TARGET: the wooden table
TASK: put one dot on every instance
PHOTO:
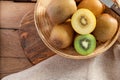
(12, 58)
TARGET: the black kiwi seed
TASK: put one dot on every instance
(83, 20)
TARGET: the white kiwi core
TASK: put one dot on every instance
(85, 44)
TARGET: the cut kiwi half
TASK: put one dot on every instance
(85, 44)
(83, 21)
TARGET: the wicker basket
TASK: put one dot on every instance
(44, 27)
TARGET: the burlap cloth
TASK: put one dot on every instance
(103, 67)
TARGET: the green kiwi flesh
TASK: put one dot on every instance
(85, 44)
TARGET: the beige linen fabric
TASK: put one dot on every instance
(103, 67)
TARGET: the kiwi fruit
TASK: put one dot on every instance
(85, 44)
(106, 27)
(83, 21)
(60, 10)
(62, 35)
(93, 5)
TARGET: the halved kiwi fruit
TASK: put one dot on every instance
(83, 21)
(85, 44)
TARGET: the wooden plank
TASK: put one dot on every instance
(34, 48)
(12, 57)
(12, 13)
(10, 44)
(2, 75)
(11, 65)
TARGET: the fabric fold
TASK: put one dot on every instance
(105, 66)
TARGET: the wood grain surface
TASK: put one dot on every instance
(11, 13)
(12, 57)
(34, 48)
(20, 45)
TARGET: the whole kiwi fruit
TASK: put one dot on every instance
(60, 10)
(61, 35)
(106, 27)
(94, 5)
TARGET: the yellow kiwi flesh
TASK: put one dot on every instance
(83, 21)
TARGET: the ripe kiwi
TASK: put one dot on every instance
(93, 5)
(85, 44)
(83, 21)
(62, 35)
(105, 28)
(60, 10)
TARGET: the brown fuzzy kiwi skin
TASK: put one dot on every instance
(60, 10)
(62, 35)
(106, 27)
(93, 5)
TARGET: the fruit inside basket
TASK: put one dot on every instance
(76, 29)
